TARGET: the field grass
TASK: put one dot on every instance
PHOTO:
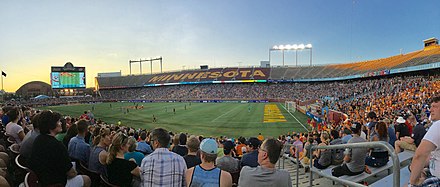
(208, 119)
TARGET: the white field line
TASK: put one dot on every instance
(225, 113)
(295, 118)
(250, 122)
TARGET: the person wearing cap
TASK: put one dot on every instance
(401, 129)
(411, 142)
(162, 167)
(428, 152)
(227, 162)
(266, 174)
(354, 159)
(251, 158)
(206, 173)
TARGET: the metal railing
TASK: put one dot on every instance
(287, 147)
(376, 144)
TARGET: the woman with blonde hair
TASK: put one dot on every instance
(98, 152)
(120, 172)
(132, 153)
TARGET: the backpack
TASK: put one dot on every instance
(337, 154)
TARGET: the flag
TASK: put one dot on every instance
(3, 74)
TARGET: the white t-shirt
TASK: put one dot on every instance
(433, 137)
(12, 129)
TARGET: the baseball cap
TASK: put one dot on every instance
(209, 146)
(356, 127)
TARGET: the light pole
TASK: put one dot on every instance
(295, 47)
(147, 60)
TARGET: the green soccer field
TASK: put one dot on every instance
(208, 119)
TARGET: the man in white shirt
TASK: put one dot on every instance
(429, 147)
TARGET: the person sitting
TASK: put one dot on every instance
(98, 153)
(143, 146)
(28, 141)
(323, 157)
(12, 128)
(402, 129)
(266, 173)
(354, 159)
(207, 174)
(181, 149)
(78, 148)
(162, 167)
(378, 156)
(411, 142)
(191, 159)
(297, 149)
(120, 172)
(251, 158)
(227, 162)
(49, 158)
(132, 153)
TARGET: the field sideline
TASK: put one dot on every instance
(208, 119)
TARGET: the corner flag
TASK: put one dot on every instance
(3, 74)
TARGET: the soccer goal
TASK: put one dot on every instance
(290, 106)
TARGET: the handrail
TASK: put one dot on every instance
(375, 144)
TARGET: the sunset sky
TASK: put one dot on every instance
(104, 35)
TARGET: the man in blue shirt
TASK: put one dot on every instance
(78, 148)
(251, 158)
(142, 146)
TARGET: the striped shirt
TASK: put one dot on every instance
(163, 168)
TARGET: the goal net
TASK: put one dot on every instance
(290, 106)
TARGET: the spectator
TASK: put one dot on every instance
(428, 147)
(323, 157)
(337, 154)
(251, 158)
(78, 148)
(98, 153)
(297, 149)
(132, 153)
(49, 159)
(391, 132)
(120, 171)
(378, 156)
(266, 174)
(191, 159)
(346, 135)
(354, 160)
(306, 156)
(71, 132)
(60, 136)
(411, 142)
(227, 162)
(207, 174)
(181, 149)
(143, 146)
(401, 129)
(372, 121)
(12, 128)
(162, 167)
(241, 145)
(28, 141)
(260, 137)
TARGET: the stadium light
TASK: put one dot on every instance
(294, 47)
(147, 60)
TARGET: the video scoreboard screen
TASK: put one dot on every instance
(68, 77)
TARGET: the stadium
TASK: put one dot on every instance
(234, 102)
(245, 93)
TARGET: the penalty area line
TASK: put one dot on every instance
(295, 118)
